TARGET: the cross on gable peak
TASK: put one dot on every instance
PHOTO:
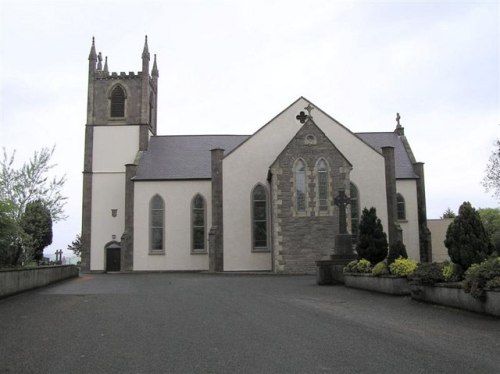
(302, 116)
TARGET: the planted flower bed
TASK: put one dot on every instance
(382, 278)
(453, 295)
(478, 292)
(388, 284)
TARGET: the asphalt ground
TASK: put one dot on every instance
(204, 323)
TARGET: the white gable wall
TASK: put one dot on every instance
(177, 196)
(249, 165)
(368, 173)
(408, 189)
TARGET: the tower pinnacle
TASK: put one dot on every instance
(155, 72)
(93, 54)
(145, 52)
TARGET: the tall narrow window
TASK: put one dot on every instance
(156, 222)
(198, 224)
(354, 212)
(259, 217)
(322, 171)
(400, 201)
(118, 102)
(300, 185)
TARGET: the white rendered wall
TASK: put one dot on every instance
(249, 165)
(114, 147)
(108, 192)
(177, 196)
(408, 189)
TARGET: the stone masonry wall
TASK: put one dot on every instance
(301, 238)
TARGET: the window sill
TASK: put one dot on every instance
(156, 253)
(199, 252)
(261, 250)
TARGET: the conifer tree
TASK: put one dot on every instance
(36, 221)
(466, 238)
(372, 240)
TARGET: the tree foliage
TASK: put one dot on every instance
(32, 182)
(76, 245)
(36, 222)
(491, 222)
(448, 213)
(372, 240)
(466, 238)
(396, 251)
(491, 181)
(8, 233)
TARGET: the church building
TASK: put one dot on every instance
(271, 201)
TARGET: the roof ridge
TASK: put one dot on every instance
(193, 135)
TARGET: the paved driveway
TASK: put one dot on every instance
(202, 323)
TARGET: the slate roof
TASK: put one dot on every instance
(181, 157)
(404, 167)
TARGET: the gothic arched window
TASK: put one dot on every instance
(322, 174)
(259, 218)
(198, 225)
(300, 186)
(156, 224)
(400, 202)
(117, 102)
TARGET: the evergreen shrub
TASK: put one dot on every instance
(428, 273)
(372, 240)
(403, 267)
(482, 277)
(358, 266)
(380, 269)
(466, 238)
(452, 272)
(396, 250)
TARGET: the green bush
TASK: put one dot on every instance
(452, 272)
(372, 240)
(380, 269)
(396, 250)
(350, 267)
(403, 267)
(358, 266)
(482, 277)
(428, 273)
(493, 283)
(466, 238)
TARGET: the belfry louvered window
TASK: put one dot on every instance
(118, 102)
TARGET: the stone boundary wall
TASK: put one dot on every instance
(13, 281)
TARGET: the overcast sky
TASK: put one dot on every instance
(228, 67)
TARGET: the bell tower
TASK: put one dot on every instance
(121, 117)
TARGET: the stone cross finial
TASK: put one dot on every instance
(342, 200)
(309, 108)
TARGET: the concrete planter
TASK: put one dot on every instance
(388, 284)
(454, 296)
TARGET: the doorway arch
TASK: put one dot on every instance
(113, 256)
